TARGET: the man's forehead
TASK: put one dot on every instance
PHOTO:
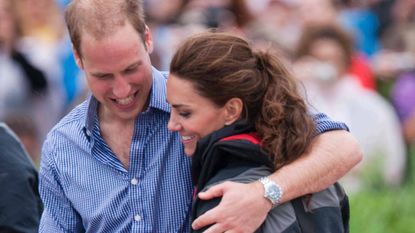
(94, 35)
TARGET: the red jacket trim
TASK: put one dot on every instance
(252, 137)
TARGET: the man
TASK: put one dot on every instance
(111, 165)
(20, 204)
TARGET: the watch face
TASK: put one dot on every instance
(274, 192)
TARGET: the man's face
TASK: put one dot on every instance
(118, 72)
(7, 25)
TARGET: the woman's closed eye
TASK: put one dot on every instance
(185, 114)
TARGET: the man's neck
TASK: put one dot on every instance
(118, 134)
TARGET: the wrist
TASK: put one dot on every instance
(272, 192)
(262, 201)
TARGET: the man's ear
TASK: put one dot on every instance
(148, 40)
(233, 110)
(78, 59)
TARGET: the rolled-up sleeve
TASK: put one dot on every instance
(325, 124)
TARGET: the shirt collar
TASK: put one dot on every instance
(158, 91)
(157, 101)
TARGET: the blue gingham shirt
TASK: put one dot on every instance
(85, 188)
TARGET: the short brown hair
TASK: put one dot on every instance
(102, 17)
(334, 32)
(222, 66)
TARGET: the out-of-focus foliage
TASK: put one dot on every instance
(386, 210)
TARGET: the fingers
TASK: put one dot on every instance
(215, 191)
(205, 219)
(217, 228)
(222, 217)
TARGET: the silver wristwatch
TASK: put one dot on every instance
(272, 191)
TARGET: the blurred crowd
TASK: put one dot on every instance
(356, 59)
(38, 76)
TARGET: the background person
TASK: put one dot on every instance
(323, 58)
(20, 204)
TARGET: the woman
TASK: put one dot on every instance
(241, 118)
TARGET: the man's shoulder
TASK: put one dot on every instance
(160, 73)
(66, 139)
(158, 94)
(72, 121)
(6, 132)
(163, 73)
(12, 153)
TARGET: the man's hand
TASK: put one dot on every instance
(243, 208)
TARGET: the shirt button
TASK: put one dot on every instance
(137, 218)
(134, 181)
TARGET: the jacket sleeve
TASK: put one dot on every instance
(20, 205)
(237, 161)
(326, 211)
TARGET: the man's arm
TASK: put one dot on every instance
(333, 154)
(243, 207)
(58, 214)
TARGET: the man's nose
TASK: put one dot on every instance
(122, 87)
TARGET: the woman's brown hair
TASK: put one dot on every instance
(222, 66)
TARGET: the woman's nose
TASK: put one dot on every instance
(173, 125)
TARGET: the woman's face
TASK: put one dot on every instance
(192, 115)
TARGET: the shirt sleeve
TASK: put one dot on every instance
(325, 124)
(59, 214)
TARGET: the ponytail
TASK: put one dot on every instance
(283, 123)
(223, 66)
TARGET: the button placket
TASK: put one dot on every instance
(134, 181)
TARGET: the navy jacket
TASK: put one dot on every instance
(20, 204)
(233, 153)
